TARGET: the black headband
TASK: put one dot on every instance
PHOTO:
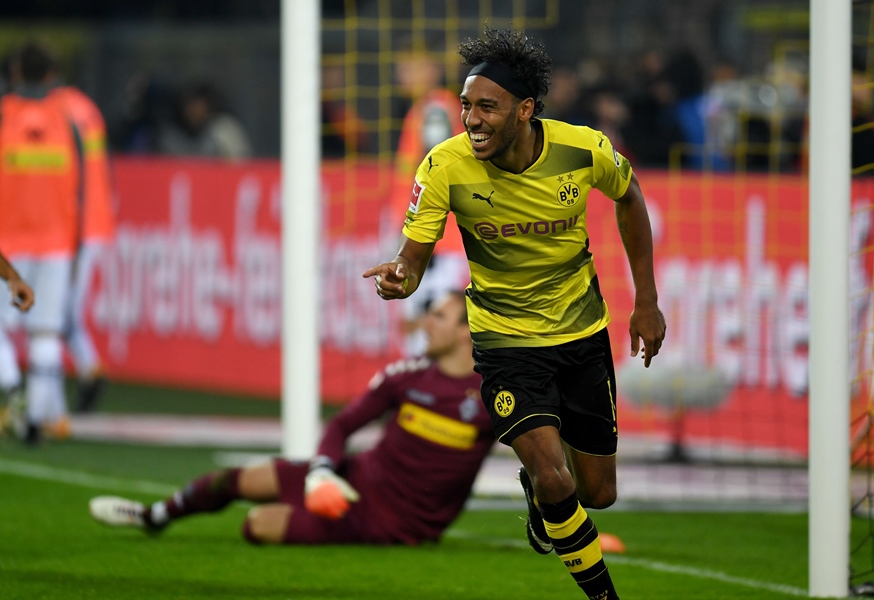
(504, 77)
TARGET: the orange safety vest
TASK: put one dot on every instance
(414, 145)
(98, 213)
(39, 178)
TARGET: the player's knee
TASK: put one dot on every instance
(266, 524)
(604, 497)
(45, 353)
(552, 485)
(248, 533)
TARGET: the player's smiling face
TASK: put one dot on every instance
(488, 112)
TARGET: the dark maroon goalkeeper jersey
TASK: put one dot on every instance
(437, 434)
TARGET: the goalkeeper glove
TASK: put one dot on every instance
(326, 494)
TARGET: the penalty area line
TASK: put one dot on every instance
(651, 565)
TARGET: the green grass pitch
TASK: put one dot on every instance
(50, 548)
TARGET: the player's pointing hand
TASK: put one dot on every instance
(390, 278)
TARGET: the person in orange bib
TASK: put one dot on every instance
(97, 234)
(40, 194)
(435, 116)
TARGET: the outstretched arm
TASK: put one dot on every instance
(326, 493)
(647, 322)
(22, 294)
(400, 277)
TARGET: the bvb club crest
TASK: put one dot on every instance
(505, 402)
(568, 193)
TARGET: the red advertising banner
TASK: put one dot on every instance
(190, 295)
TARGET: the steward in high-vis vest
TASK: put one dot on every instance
(97, 232)
(434, 117)
(41, 179)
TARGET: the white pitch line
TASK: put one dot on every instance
(651, 565)
(81, 478)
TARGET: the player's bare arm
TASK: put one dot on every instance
(21, 292)
(647, 322)
(400, 277)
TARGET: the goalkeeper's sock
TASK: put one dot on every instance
(209, 493)
(575, 538)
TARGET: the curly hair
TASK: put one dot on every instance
(513, 48)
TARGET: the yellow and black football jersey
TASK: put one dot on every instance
(524, 234)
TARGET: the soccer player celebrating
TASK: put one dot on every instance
(518, 188)
(407, 489)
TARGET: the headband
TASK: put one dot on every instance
(504, 77)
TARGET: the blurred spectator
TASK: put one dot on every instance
(40, 187)
(147, 108)
(668, 114)
(204, 128)
(434, 116)
(343, 131)
(863, 117)
(759, 121)
(5, 85)
(651, 132)
(609, 114)
(682, 84)
(565, 102)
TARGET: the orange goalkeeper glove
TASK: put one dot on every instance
(326, 494)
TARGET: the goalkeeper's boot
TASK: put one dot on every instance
(538, 539)
(121, 512)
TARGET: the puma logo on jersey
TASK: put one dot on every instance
(600, 141)
(483, 198)
(431, 165)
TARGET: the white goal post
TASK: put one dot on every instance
(301, 209)
(829, 454)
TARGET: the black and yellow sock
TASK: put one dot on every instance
(576, 542)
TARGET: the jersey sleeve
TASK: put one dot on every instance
(429, 204)
(376, 401)
(612, 170)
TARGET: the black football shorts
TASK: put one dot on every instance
(570, 386)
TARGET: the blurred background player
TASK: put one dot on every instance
(40, 197)
(435, 116)
(97, 232)
(407, 489)
(20, 297)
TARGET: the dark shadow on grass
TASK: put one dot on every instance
(121, 587)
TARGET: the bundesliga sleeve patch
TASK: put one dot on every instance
(418, 188)
(622, 164)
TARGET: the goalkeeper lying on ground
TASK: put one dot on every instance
(407, 489)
